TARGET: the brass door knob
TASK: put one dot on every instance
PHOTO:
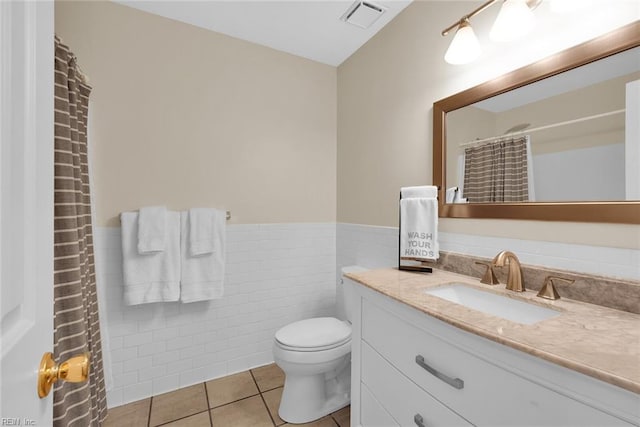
(74, 370)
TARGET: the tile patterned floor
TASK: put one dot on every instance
(247, 399)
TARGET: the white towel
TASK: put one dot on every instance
(423, 191)
(152, 224)
(152, 277)
(202, 277)
(419, 223)
(205, 228)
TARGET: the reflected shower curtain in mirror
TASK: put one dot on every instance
(76, 322)
(497, 171)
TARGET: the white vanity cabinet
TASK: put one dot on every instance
(410, 369)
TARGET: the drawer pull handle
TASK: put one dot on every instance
(417, 418)
(453, 382)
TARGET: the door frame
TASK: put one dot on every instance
(26, 205)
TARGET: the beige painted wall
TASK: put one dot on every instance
(185, 117)
(385, 95)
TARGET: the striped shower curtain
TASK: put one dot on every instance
(497, 171)
(76, 323)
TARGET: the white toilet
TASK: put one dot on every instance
(315, 355)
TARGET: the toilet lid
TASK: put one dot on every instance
(320, 332)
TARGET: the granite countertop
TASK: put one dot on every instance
(597, 341)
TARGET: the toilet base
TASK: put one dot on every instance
(303, 398)
(306, 398)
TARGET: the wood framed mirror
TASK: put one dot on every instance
(608, 211)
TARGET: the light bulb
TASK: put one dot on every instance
(464, 47)
(514, 20)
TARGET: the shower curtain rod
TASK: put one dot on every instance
(568, 122)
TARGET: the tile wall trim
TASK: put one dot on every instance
(377, 246)
(275, 274)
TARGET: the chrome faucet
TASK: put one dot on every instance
(514, 279)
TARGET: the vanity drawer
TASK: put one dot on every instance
(479, 391)
(372, 414)
(404, 400)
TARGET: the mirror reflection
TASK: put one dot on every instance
(571, 137)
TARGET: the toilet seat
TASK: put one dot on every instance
(317, 334)
(310, 349)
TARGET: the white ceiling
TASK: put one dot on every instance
(308, 28)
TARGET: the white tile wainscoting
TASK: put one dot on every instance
(275, 274)
(377, 247)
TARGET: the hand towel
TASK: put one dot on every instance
(152, 277)
(202, 276)
(152, 229)
(205, 226)
(459, 199)
(419, 223)
(422, 191)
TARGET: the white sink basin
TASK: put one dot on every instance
(496, 305)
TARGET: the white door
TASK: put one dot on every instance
(26, 207)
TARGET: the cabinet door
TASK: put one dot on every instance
(372, 413)
(405, 401)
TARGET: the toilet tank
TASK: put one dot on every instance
(344, 293)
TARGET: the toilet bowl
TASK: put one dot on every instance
(315, 355)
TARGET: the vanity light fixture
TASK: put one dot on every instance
(568, 6)
(464, 47)
(514, 20)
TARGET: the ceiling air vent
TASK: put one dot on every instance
(363, 14)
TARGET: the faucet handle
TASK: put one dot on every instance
(489, 277)
(548, 291)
